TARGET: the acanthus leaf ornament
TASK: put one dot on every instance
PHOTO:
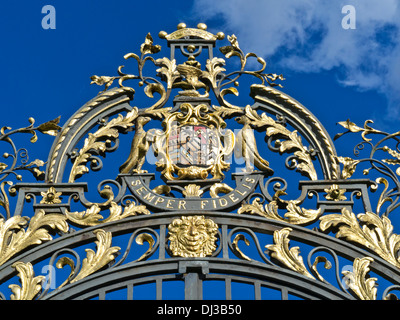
(95, 142)
(92, 216)
(289, 257)
(372, 232)
(94, 261)
(14, 238)
(294, 214)
(358, 281)
(293, 142)
(30, 285)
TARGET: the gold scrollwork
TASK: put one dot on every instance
(290, 258)
(294, 215)
(192, 236)
(97, 142)
(91, 216)
(358, 281)
(293, 142)
(145, 237)
(14, 238)
(376, 233)
(30, 285)
(235, 245)
(96, 260)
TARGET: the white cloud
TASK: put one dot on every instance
(311, 35)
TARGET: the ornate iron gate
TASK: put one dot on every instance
(191, 202)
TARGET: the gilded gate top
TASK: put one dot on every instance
(195, 143)
(221, 172)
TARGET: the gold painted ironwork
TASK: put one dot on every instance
(96, 142)
(140, 239)
(217, 188)
(140, 146)
(91, 216)
(192, 236)
(183, 32)
(14, 238)
(51, 196)
(246, 147)
(71, 129)
(294, 215)
(289, 257)
(192, 191)
(235, 245)
(97, 260)
(358, 281)
(335, 193)
(30, 285)
(196, 235)
(193, 117)
(371, 231)
(293, 142)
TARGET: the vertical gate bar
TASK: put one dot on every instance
(224, 242)
(129, 288)
(285, 295)
(193, 286)
(257, 290)
(228, 292)
(161, 247)
(102, 295)
(159, 289)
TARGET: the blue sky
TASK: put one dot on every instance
(336, 73)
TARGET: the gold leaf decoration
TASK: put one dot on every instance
(30, 285)
(349, 166)
(352, 127)
(94, 261)
(94, 142)
(327, 265)
(290, 258)
(51, 196)
(91, 216)
(145, 237)
(192, 236)
(335, 193)
(395, 161)
(375, 233)
(3, 166)
(240, 237)
(294, 214)
(168, 70)
(293, 142)
(357, 280)
(147, 47)
(50, 127)
(192, 191)
(13, 238)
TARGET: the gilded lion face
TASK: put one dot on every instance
(192, 236)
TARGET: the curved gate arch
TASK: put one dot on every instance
(201, 194)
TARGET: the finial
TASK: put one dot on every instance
(183, 31)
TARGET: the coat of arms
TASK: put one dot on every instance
(193, 145)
